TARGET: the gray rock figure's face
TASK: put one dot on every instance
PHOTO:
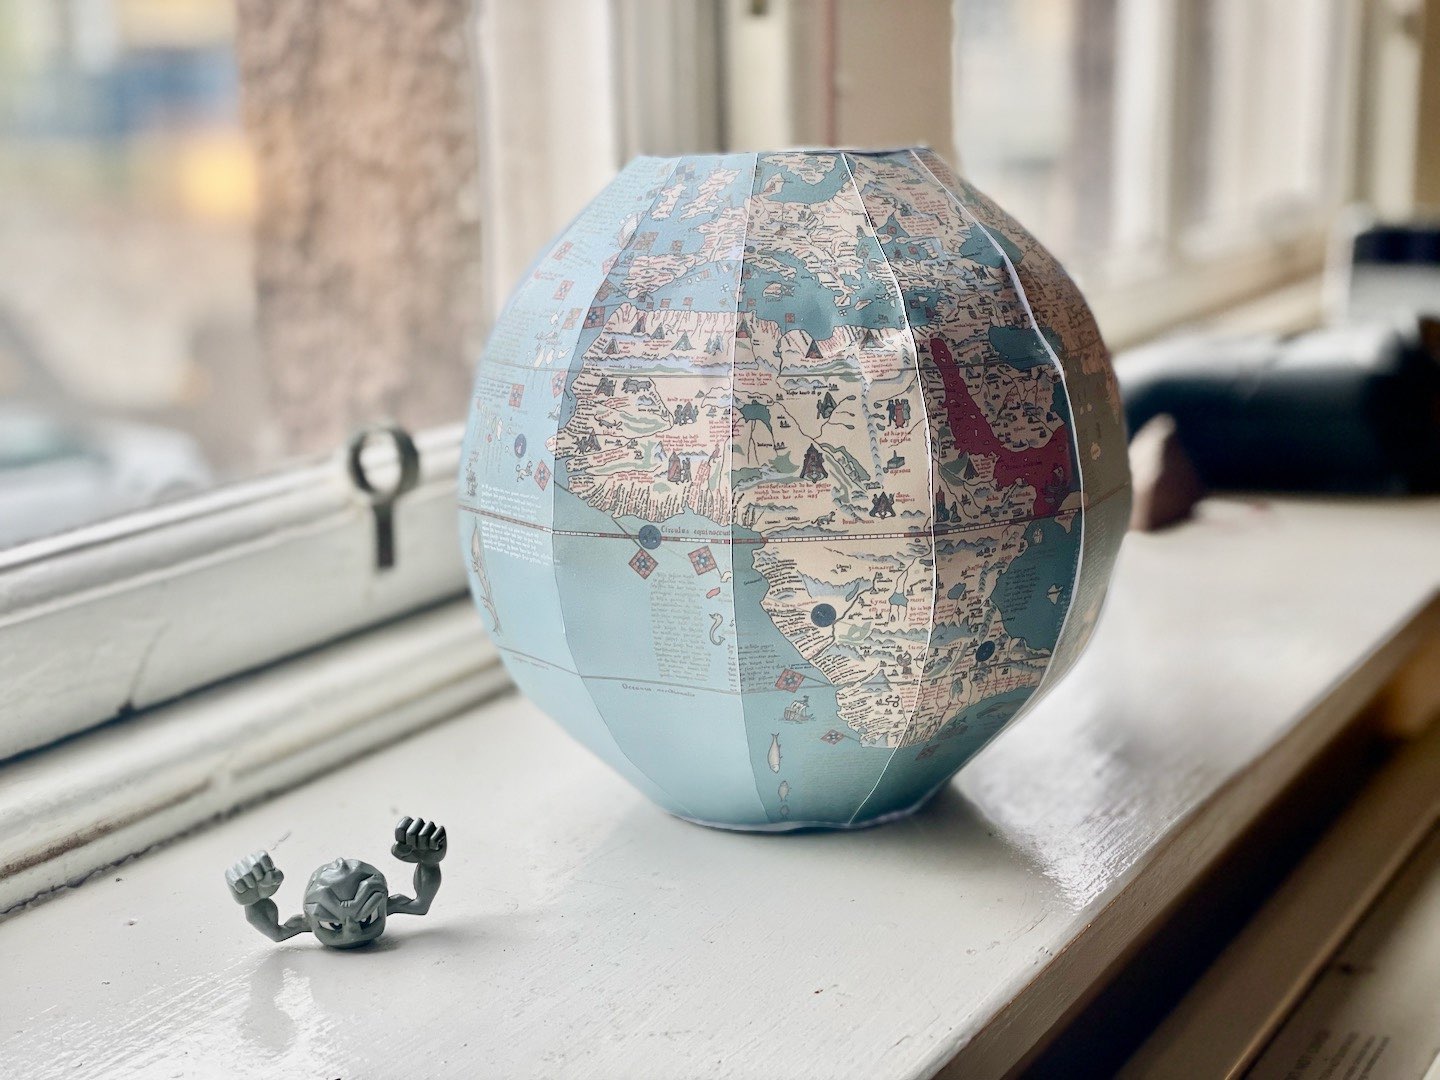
(346, 902)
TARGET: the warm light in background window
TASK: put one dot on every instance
(215, 177)
(175, 23)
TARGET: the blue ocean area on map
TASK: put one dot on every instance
(794, 301)
(1022, 592)
(828, 780)
(1021, 347)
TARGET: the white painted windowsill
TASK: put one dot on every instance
(73, 808)
(582, 932)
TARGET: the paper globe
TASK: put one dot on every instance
(790, 479)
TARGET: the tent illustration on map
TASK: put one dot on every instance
(791, 479)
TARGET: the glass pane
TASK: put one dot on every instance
(1034, 113)
(1124, 129)
(1258, 137)
(228, 240)
(126, 302)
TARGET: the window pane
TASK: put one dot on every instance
(126, 196)
(1264, 106)
(1035, 113)
(1130, 130)
(233, 233)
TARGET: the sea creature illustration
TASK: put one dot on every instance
(716, 621)
(774, 756)
(783, 790)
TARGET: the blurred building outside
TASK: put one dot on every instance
(126, 200)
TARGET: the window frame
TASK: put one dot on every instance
(119, 616)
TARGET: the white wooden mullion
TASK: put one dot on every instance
(1347, 51)
(548, 125)
(668, 77)
(1144, 126)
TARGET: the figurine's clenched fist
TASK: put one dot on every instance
(419, 841)
(254, 878)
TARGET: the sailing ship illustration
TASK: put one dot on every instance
(798, 711)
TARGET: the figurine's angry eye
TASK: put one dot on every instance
(333, 927)
(367, 922)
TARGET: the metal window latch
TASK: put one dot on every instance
(382, 501)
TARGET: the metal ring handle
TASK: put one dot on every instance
(405, 450)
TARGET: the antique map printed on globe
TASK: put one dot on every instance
(790, 478)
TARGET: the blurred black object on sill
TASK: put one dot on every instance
(1350, 408)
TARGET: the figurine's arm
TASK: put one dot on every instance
(423, 843)
(265, 917)
(253, 880)
(427, 884)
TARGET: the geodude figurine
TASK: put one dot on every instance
(347, 901)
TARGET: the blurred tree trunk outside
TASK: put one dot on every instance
(362, 117)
